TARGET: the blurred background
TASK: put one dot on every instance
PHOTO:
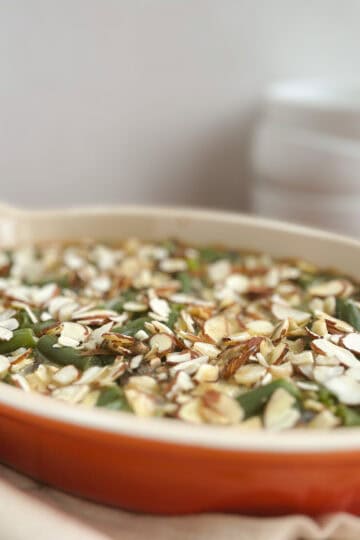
(153, 101)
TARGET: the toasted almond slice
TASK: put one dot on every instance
(305, 385)
(322, 360)
(334, 323)
(190, 411)
(319, 328)
(72, 334)
(249, 374)
(219, 270)
(334, 287)
(282, 371)
(325, 373)
(260, 328)
(102, 314)
(136, 361)
(207, 373)
(345, 388)
(216, 328)
(191, 366)
(160, 327)
(354, 373)
(237, 283)
(324, 420)
(218, 408)
(91, 375)
(173, 265)
(206, 349)
(176, 358)
(325, 347)
(5, 334)
(300, 359)
(280, 412)
(352, 342)
(161, 343)
(66, 375)
(73, 393)
(253, 423)
(135, 306)
(279, 353)
(160, 307)
(280, 331)
(282, 312)
(143, 383)
(141, 403)
(330, 305)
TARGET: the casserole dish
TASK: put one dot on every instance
(162, 466)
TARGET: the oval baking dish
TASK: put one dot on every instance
(162, 466)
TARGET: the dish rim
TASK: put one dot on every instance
(231, 438)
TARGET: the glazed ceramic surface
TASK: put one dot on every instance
(165, 466)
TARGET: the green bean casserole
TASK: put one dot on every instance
(204, 335)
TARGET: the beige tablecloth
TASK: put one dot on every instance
(31, 511)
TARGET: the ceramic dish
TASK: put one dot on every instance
(162, 466)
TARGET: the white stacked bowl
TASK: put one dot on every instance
(306, 155)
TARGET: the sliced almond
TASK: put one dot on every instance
(237, 283)
(207, 373)
(160, 307)
(216, 328)
(319, 328)
(282, 371)
(191, 366)
(190, 412)
(324, 420)
(325, 347)
(176, 358)
(300, 359)
(279, 412)
(279, 353)
(218, 408)
(260, 328)
(352, 342)
(141, 403)
(280, 330)
(282, 312)
(72, 334)
(249, 374)
(334, 287)
(322, 374)
(345, 388)
(161, 343)
(219, 270)
(206, 349)
(66, 375)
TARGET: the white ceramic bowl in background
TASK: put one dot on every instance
(306, 155)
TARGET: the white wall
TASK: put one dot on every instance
(134, 100)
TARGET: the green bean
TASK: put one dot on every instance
(23, 337)
(24, 319)
(185, 281)
(113, 398)
(350, 417)
(132, 327)
(253, 401)
(193, 265)
(174, 315)
(64, 355)
(347, 311)
(117, 304)
(40, 328)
